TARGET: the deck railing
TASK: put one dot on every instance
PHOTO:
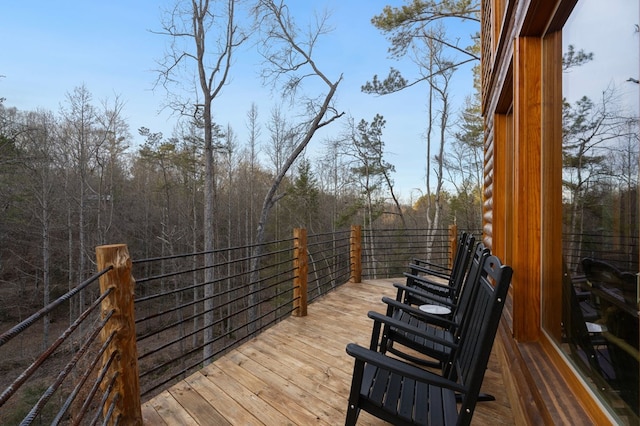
(122, 348)
(96, 370)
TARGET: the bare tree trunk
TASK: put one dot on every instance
(444, 121)
(194, 244)
(195, 23)
(439, 74)
(272, 197)
(429, 241)
(280, 31)
(369, 239)
(70, 262)
(46, 258)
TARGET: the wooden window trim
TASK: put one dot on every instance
(551, 176)
(527, 196)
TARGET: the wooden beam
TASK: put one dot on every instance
(551, 180)
(301, 270)
(527, 188)
(356, 253)
(453, 243)
(119, 282)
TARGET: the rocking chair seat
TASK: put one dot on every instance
(390, 389)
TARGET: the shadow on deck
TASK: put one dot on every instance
(297, 372)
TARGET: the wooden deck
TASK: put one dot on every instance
(297, 372)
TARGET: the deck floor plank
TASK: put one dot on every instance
(171, 411)
(311, 377)
(198, 407)
(297, 372)
(251, 402)
(277, 393)
(222, 402)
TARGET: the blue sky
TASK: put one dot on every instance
(50, 47)
(616, 51)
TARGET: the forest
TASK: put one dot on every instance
(73, 179)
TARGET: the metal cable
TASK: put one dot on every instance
(346, 232)
(334, 243)
(112, 407)
(176, 256)
(223, 349)
(83, 379)
(96, 384)
(19, 328)
(24, 376)
(219, 321)
(190, 287)
(142, 337)
(35, 410)
(105, 395)
(196, 331)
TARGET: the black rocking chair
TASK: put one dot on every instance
(404, 394)
(432, 335)
(442, 293)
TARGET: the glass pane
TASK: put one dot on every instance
(600, 199)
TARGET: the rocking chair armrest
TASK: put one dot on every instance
(392, 322)
(402, 368)
(421, 293)
(436, 320)
(423, 282)
(425, 264)
(428, 269)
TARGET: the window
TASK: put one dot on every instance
(600, 138)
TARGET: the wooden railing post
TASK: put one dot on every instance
(119, 281)
(453, 243)
(356, 253)
(301, 268)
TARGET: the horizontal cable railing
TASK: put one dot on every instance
(386, 252)
(52, 372)
(173, 323)
(328, 262)
(180, 315)
(184, 313)
(621, 251)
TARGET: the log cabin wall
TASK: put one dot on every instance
(522, 210)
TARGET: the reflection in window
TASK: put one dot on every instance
(600, 199)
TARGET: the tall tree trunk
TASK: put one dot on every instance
(209, 239)
(272, 197)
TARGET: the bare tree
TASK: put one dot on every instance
(253, 127)
(590, 129)
(39, 145)
(437, 70)
(288, 55)
(114, 135)
(79, 126)
(438, 86)
(191, 26)
(281, 141)
(418, 30)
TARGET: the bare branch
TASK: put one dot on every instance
(290, 57)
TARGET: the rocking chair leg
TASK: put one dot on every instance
(356, 382)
